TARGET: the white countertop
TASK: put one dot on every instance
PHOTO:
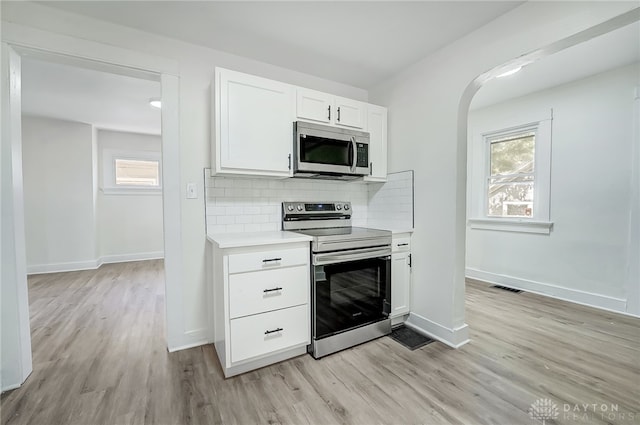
(400, 230)
(238, 240)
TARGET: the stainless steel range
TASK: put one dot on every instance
(350, 275)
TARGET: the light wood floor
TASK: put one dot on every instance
(100, 357)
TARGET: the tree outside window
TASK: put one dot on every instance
(510, 182)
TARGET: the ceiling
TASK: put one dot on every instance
(609, 51)
(121, 103)
(106, 100)
(359, 43)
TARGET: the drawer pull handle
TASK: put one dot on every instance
(271, 260)
(272, 290)
(403, 244)
(273, 331)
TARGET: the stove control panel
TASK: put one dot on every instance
(317, 209)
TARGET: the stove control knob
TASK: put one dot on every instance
(338, 207)
(300, 207)
(290, 207)
(346, 207)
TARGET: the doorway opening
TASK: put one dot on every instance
(17, 349)
(551, 160)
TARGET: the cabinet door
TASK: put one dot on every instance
(400, 283)
(377, 127)
(350, 113)
(254, 130)
(312, 105)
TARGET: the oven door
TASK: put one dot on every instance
(350, 289)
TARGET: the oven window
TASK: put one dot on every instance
(348, 295)
(320, 150)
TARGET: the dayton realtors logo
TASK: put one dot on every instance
(544, 409)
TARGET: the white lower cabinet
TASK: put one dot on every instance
(266, 333)
(259, 292)
(400, 274)
(261, 304)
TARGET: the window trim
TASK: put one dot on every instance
(109, 186)
(539, 222)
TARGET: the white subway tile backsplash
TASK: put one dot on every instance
(251, 210)
(254, 204)
(252, 228)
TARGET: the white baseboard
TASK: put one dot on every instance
(93, 264)
(63, 267)
(138, 256)
(193, 338)
(455, 338)
(603, 302)
(10, 387)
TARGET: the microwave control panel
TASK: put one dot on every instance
(363, 155)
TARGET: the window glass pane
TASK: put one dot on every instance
(510, 199)
(133, 172)
(513, 155)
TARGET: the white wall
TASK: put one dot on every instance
(428, 105)
(57, 165)
(129, 224)
(69, 223)
(34, 24)
(586, 256)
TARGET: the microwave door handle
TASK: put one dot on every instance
(353, 161)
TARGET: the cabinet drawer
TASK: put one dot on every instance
(267, 259)
(264, 333)
(258, 292)
(401, 244)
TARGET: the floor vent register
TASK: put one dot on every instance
(504, 288)
(409, 338)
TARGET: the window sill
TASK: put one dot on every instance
(511, 225)
(131, 191)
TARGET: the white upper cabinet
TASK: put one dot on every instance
(253, 125)
(312, 105)
(316, 106)
(377, 127)
(350, 113)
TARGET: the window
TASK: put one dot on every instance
(131, 172)
(136, 172)
(510, 176)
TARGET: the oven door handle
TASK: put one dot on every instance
(333, 258)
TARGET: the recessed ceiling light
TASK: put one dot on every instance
(155, 102)
(509, 72)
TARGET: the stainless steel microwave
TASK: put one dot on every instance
(321, 151)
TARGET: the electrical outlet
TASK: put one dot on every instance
(192, 191)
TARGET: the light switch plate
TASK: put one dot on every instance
(192, 191)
